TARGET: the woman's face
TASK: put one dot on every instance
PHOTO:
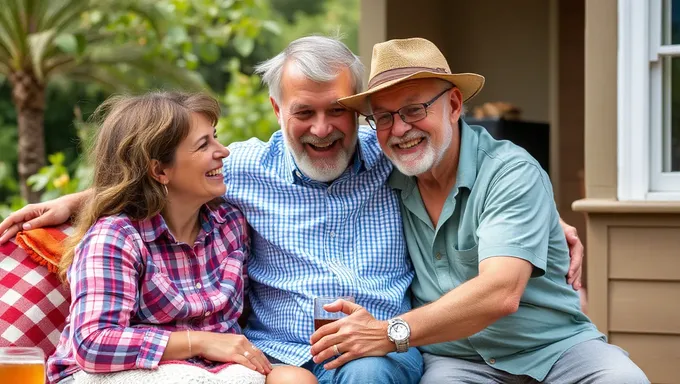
(195, 177)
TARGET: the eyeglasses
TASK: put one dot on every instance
(409, 114)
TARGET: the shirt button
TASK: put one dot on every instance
(298, 173)
(332, 234)
(438, 256)
(208, 313)
(198, 285)
(492, 361)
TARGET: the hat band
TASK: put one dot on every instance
(397, 73)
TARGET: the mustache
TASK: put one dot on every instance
(309, 138)
(412, 134)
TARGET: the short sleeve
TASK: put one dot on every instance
(516, 216)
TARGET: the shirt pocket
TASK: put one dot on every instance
(161, 300)
(466, 256)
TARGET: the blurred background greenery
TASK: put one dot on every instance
(59, 59)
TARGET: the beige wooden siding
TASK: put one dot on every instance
(634, 287)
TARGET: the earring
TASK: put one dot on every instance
(165, 187)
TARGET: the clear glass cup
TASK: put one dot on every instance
(22, 365)
(323, 317)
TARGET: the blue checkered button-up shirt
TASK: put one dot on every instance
(316, 239)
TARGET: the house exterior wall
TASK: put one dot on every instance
(633, 250)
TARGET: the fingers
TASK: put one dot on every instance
(328, 353)
(323, 349)
(9, 233)
(258, 358)
(345, 306)
(344, 358)
(326, 330)
(240, 359)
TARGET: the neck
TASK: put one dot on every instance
(182, 220)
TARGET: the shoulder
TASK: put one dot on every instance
(110, 232)
(253, 153)
(501, 158)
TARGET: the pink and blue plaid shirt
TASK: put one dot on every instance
(132, 284)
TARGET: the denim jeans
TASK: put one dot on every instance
(395, 368)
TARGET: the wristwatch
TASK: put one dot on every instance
(399, 333)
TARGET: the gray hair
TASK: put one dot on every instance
(319, 59)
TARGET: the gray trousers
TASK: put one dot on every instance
(590, 362)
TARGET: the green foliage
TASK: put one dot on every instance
(336, 18)
(143, 44)
(248, 110)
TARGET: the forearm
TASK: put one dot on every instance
(183, 345)
(462, 312)
(117, 349)
(76, 200)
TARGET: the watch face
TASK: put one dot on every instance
(399, 332)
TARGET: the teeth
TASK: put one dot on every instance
(410, 144)
(323, 145)
(215, 172)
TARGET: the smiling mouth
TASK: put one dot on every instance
(323, 147)
(214, 172)
(410, 144)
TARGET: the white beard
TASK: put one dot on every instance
(427, 158)
(320, 170)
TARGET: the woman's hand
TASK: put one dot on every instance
(229, 347)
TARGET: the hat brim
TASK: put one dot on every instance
(469, 85)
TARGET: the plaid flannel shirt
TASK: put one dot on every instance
(132, 284)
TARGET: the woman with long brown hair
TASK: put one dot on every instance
(157, 265)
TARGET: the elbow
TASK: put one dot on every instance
(85, 354)
(509, 305)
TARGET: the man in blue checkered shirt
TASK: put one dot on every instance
(324, 221)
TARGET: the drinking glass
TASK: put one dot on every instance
(323, 317)
(22, 365)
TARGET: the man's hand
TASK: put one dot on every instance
(45, 214)
(357, 335)
(576, 254)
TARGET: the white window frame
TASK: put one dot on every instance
(640, 112)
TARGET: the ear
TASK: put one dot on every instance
(277, 109)
(157, 172)
(456, 103)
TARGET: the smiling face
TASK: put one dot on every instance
(420, 146)
(195, 176)
(319, 132)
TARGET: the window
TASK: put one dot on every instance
(649, 100)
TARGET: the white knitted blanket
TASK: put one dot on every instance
(174, 374)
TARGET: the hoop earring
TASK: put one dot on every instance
(165, 188)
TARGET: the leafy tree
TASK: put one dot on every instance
(122, 44)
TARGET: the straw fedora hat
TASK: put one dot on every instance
(396, 61)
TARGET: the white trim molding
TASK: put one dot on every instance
(633, 101)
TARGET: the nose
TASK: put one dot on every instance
(321, 127)
(221, 153)
(399, 127)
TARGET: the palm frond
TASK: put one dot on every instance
(38, 44)
(111, 78)
(4, 69)
(61, 12)
(16, 28)
(10, 38)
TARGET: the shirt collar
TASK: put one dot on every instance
(467, 165)
(152, 228)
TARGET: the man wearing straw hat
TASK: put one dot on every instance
(484, 236)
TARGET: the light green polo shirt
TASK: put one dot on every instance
(501, 205)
